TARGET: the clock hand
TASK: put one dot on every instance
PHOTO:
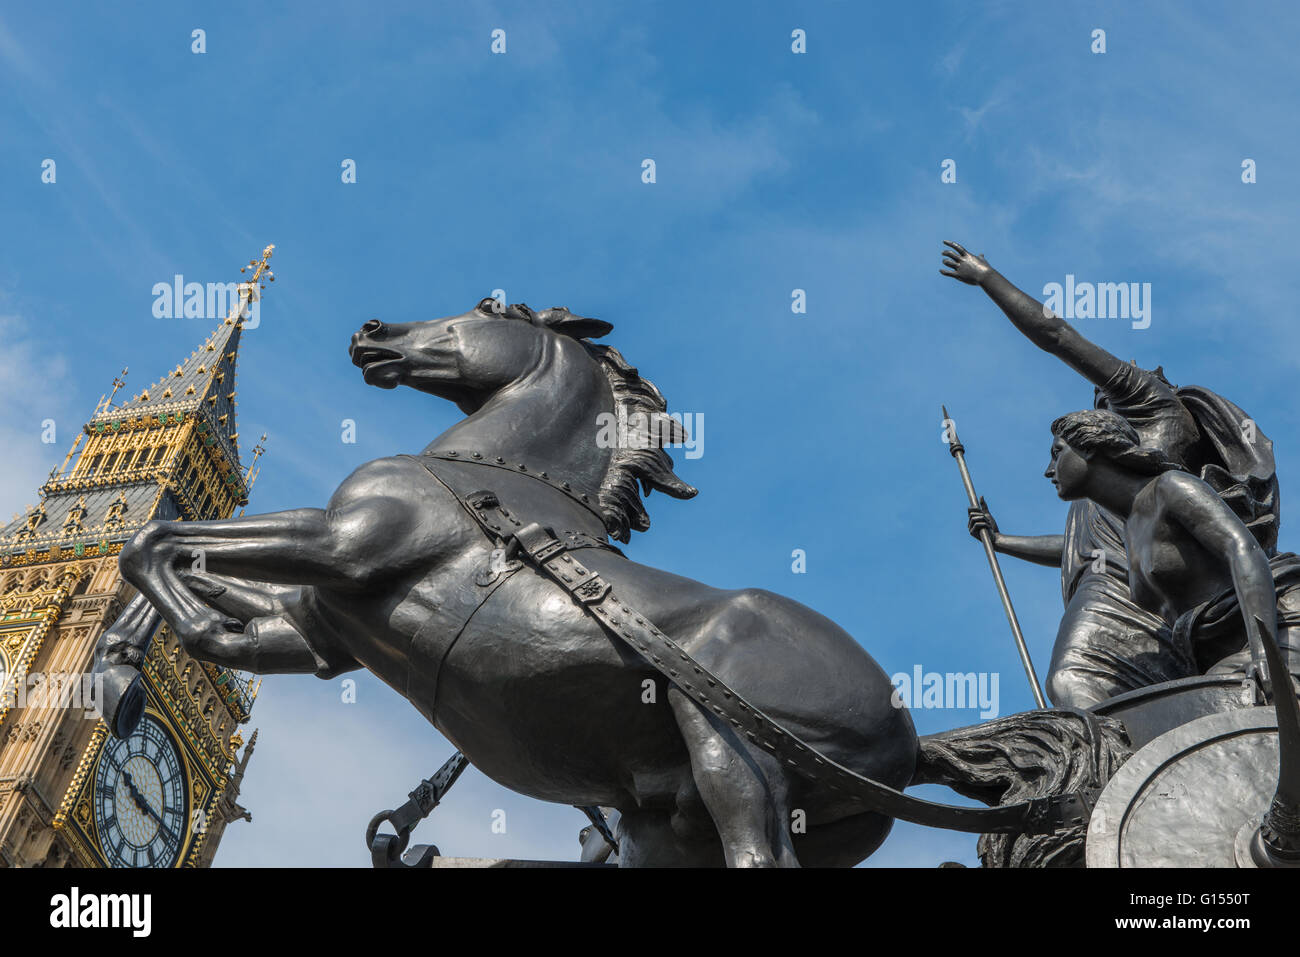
(139, 798)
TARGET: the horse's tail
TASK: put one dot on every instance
(1023, 757)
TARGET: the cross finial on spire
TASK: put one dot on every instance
(105, 402)
(260, 265)
(251, 475)
(249, 291)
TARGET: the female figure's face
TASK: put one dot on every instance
(1068, 471)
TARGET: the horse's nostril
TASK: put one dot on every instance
(372, 327)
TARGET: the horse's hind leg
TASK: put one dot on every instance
(744, 790)
(843, 843)
(648, 838)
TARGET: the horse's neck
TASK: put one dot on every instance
(527, 498)
(547, 420)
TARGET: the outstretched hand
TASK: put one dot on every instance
(963, 266)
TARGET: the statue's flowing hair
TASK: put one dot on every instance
(639, 463)
(1102, 432)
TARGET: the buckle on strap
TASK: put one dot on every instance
(540, 543)
(482, 500)
(1045, 815)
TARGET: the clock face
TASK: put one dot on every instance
(141, 808)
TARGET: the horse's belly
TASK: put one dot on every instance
(545, 702)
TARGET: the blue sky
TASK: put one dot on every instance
(775, 171)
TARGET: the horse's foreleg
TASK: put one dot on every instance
(299, 547)
(125, 641)
(259, 632)
(163, 596)
(340, 550)
(272, 639)
(240, 598)
(269, 641)
(118, 658)
(744, 790)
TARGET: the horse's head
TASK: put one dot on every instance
(571, 385)
(469, 357)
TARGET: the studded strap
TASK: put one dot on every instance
(588, 500)
(550, 555)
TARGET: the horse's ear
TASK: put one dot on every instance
(579, 327)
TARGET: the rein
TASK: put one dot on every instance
(550, 555)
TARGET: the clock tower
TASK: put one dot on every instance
(70, 794)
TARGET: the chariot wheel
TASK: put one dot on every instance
(1193, 797)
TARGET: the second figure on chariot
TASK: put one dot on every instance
(1170, 544)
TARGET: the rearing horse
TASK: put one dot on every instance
(396, 576)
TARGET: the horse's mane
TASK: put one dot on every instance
(638, 464)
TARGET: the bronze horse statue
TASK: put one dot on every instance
(396, 575)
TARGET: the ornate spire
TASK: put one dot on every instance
(169, 452)
(204, 383)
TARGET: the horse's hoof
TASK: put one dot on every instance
(122, 652)
(123, 699)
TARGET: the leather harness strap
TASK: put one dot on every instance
(549, 554)
(570, 489)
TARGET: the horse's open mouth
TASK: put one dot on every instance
(372, 361)
(363, 356)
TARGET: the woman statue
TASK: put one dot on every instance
(1191, 559)
(1107, 643)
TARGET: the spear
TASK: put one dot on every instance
(958, 452)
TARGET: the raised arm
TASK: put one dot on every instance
(1045, 330)
(1208, 519)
